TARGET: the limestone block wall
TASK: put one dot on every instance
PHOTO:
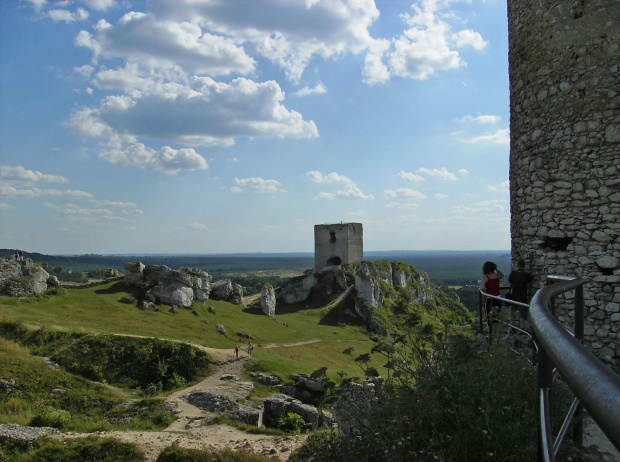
(564, 59)
(338, 244)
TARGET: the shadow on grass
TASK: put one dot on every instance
(312, 303)
(336, 315)
(121, 287)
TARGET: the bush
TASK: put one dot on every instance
(292, 423)
(49, 417)
(83, 449)
(448, 402)
(177, 454)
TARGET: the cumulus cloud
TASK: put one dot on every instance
(486, 207)
(204, 112)
(289, 33)
(403, 193)
(20, 175)
(470, 38)
(166, 160)
(481, 118)
(351, 191)
(199, 226)
(441, 173)
(5, 206)
(256, 185)
(499, 137)
(318, 177)
(100, 5)
(464, 171)
(440, 196)
(410, 176)
(318, 89)
(67, 16)
(141, 39)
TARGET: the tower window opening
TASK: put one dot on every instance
(332, 236)
(556, 243)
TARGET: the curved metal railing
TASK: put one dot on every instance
(596, 387)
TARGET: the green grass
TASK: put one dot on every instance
(82, 406)
(97, 310)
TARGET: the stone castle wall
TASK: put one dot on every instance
(565, 153)
(338, 244)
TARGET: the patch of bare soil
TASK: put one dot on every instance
(192, 428)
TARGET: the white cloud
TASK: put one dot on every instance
(198, 226)
(256, 185)
(67, 16)
(481, 118)
(166, 160)
(289, 33)
(141, 39)
(86, 70)
(73, 212)
(464, 171)
(5, 206)
(403, 193)
(481, 209)
(318, 177)
(410, 176)
(10, 191)
(326, 196)
(470, 38)
(503, 187)
(441, 196)
(499, 137)
(202, 112)
(351, 191)
(19, 175)
(100, 5)
(319, 89)
(441, 173)
(37, 4)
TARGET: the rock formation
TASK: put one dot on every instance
(22, 278)
(227, 291)
(268, 300)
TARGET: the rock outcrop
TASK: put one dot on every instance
(268, 300)
(167, 286)
(22, 278)
(227, 291)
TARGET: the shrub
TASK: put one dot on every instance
(177, 454)
(292, 423)
(448, 402)
(91, 448)
(49, 417)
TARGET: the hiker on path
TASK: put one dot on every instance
(490, 284)
(237, 351)
(518, 281)
(250, 347)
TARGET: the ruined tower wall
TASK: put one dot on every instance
(565, 153)
(338, 244)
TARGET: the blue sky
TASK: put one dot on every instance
(223, 126)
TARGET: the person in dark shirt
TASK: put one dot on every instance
(519, 280)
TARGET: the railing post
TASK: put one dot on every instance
(545, 382)
(579, 332)
(480, 311)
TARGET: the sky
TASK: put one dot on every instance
(232, 126)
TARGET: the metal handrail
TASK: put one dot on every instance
(595, 386)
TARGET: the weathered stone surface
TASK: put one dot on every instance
(268, 300)
(22, 279)
(173, 293)
(564, 196)
(278, 405)
(53, 281)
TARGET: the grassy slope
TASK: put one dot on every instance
(97, 310)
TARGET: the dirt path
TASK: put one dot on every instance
(190, 429)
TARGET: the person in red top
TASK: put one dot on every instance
(489, 283)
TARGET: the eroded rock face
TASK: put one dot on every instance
(22, 279)
(169, 286)
(278, 405)
(227, 291)
(268, 300)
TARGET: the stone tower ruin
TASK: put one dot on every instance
(564, 63)
(338, 244)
